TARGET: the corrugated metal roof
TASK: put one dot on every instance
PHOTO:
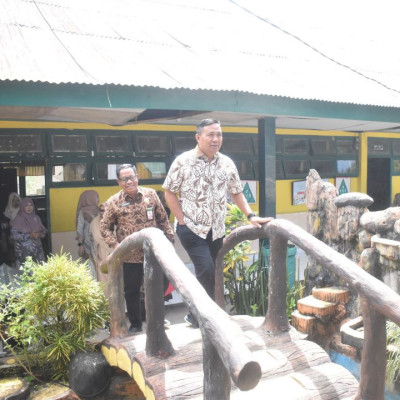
(210, 44)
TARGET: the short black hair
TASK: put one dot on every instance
(206, 122)
(125, 166)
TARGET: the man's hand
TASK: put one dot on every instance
(258, 221)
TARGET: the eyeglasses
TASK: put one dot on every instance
(128, 178)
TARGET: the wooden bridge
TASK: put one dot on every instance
(242, 357)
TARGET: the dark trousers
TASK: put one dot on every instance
(203, 253)
(133, 280)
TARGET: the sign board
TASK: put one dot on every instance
(250, 191)
(342, 185)
(298, 192)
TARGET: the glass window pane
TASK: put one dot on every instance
(35, 185)
(345, 146)
(325, 167)
(20, 144)
(69, 172)
(69, 143)
(378, 146)
(279, 169)
(112, 144)
(184, 143)
(278, 145)
(346, 167)
(295, 146)
(296, 167)
(151, 170)
(396, 147)
(245, 168)
(396, 166)
(152, 144)
(323, 145)
(105, 171)
(237, 145)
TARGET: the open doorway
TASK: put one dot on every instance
(379, 183)
(28, 180)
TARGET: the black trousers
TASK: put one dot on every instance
(133, 280)
(203, 253)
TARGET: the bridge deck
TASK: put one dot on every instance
(292, 368)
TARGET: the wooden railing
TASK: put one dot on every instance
(225, 354)
(378, 301)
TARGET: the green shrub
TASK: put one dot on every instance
(51, 310)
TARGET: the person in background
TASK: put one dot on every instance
(130, 210)
(203, 178)
(87, 209)
(100, 249)
(27, 232)
(7, 254)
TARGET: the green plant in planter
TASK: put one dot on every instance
(51, 310)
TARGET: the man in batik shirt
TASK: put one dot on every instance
(203, 178)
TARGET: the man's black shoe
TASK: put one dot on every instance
(191, 321)
(133, 330)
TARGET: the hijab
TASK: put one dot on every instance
(27, 223)
(89, 205)
(11, 211)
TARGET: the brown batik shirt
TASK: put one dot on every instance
(203, 186)
(125, 215)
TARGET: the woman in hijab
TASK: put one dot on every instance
(27, 232)
(12, 208)
(6, 245)
(87, 209)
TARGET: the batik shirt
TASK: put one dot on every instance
(128, 215)
(203, 187)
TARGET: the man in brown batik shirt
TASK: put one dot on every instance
(130, 210)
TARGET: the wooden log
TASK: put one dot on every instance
(276, 320)
(311, 306)
(332, 294)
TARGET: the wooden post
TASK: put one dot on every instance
(217, 382)
(373, 357)
(276, 320)
(118, 326)
(157, 343)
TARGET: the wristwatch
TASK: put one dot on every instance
(251, 215)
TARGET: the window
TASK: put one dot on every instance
(396, 147)
(69, 172)
(396, 167)
(183, 143)
(296, 167)
(295, 145)
(323, 145)
(245, 169)
(346, 146)
(69, 143)
(20, 144)
(105, 171)
(151, 170)
(233, 145)
(116, 144)
(346, 167)
(151, 144)
(325, 167)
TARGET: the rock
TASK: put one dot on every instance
(380, 221)
(14, 389)
(53, 391)
(360, 200)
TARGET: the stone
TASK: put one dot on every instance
(360, 200)
(14, 388)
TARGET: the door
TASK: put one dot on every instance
(379, 183)
(8, 184)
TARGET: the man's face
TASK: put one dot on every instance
(128, 181)
(210, 140)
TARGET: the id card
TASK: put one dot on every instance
(149, 213)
